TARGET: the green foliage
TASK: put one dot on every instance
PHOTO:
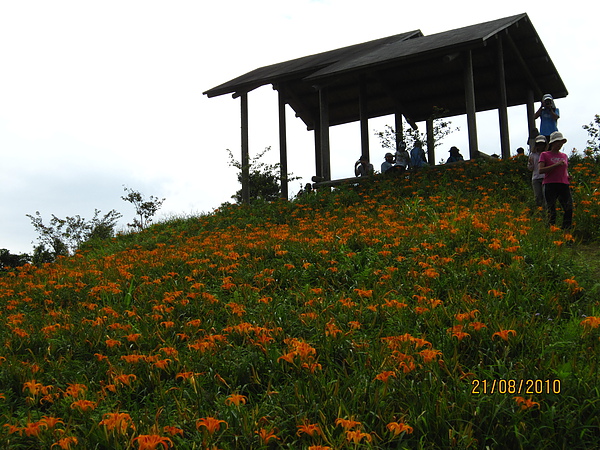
(441, 129)
(264, 179)
(62, 237)
(145, 209)
(8, 260)
(593, 130)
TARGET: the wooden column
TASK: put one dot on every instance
(324, 132)
(532, 130)
(430, 142)
(503, 106)
(398, 128)
(318, 152)
(364, 117)
(245, 152)
(470, 104)
(282, 147)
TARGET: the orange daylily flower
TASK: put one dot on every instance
(74, 390)
(477, 325)
(13, 429)
(309, 428)
(50, 421)
(398, 428)
(117, 421)
(66, 443)
(526, 403)
(236, 399)
(356, 436)
(347, 424)
(590, 322)
(384, 376)
(211, 424)
(504, 334)
(266, 435)
(172, 430)
(429, 355)
(83, 405)
(152, 442)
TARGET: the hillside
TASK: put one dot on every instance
(432, 311)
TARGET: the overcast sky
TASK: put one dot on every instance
(97, 95)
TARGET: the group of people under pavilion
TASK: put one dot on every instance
(550, 178)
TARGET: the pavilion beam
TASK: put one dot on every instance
(363, 103)
(524, 67)
(503, 106)
(469, 81)
(399, 106)
(298, 105)
(283, 166)
(324, 133)
(245, 150)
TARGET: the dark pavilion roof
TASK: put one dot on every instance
(412, 73)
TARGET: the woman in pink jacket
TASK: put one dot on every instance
(554, 165)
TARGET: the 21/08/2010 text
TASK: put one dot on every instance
(515, 386)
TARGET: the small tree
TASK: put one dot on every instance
(62, 237)
(441, 129)
(593, 130)
(264, 179)
(145, 209)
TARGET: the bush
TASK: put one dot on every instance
(264, 179)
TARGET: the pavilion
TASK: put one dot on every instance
(492, 65)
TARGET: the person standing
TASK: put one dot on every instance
(549, 115)
(537, 178)
(554, 165)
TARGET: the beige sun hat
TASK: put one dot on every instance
(557, 136)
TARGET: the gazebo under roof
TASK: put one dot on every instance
(492, 65)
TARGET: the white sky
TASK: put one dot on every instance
(97, 95)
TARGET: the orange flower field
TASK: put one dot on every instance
(437, 310)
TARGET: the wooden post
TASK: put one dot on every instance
(430, 142)
(364, 117)
(533, 131)
(245, 152)
(318, 152)
(324, 128)
(399, 128)
(282, 147)
(470, 104)
(503, 106)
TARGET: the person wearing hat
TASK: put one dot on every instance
(554, 165)
(549, 115)
(363, 168)
(455, 155)
(537, 178)
(388, 164)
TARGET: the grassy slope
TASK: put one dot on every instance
(388, 303)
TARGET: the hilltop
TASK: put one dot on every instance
(432, 310)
